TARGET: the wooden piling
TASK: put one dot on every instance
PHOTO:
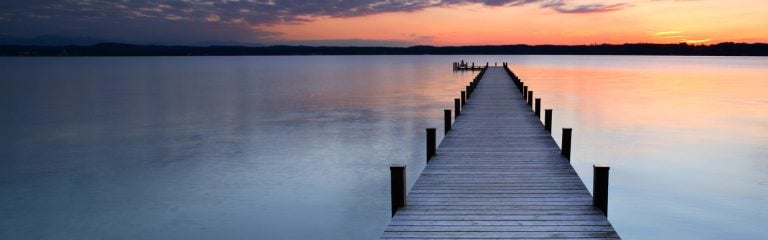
(600, 187)
(566, 148)
(457, 107)
(537, 108)
(431, 143)
(525, 92)
(468, 92)
(447, 118)
(463, 98)
(548, 120)
(530, 98)
(398, 186)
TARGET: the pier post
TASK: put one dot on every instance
(447, 118)
(566, 148)
(468, 92)
(530, 98)
(548, 120)
(431, 142)
(398, 183)
(600, 187)
(537, 108)
(463, 98)
(457, 107)
(525, 92)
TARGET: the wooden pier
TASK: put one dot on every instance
(499, 174)
(467, 66)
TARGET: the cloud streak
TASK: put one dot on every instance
(223, 19)
(261, 11)
(563, 7)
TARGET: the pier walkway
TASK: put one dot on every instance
(498, 174)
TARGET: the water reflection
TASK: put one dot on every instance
(298, 147)
(682, 136)
(203, 148)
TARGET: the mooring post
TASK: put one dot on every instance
(457, 107)
(537, 108)
(397, 173)
(530, 98)
(447, 118)
(431, 142)
(463, 98)
(600, 187)
(548, 120)
(566, 148)
(468, 92)
(525, 92)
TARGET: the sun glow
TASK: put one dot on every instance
(475, 24)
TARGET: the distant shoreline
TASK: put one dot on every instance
(120, 49)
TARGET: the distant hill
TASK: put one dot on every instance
(50, 40)
(121, 49)
(59, 40)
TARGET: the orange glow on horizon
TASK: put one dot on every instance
(647, 22)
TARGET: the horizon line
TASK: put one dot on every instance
(257, 45)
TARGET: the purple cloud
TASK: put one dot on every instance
(184, 20)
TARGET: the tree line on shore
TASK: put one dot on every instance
(121, 49)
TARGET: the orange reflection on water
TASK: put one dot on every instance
(669, 97)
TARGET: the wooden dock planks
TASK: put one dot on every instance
(498, 174)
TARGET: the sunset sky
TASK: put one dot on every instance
(391, 23)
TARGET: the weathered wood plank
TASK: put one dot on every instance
(454, 202)
(499, 228)
(467, 217)
(500, 212)
(500, 223)
(508, 207)
(500, 234)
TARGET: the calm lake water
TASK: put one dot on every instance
(299, 147)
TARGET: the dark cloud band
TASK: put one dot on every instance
(219, 18)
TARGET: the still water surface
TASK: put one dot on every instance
(299, 147)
